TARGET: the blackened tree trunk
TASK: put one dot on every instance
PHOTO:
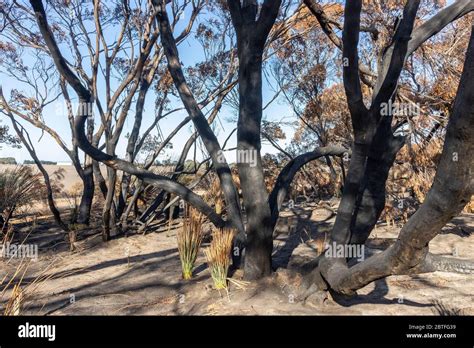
(384, 146)
(87, 198)
(452, 189)
(148, 177)
(199, 120)
(259, 228)
(252, 34)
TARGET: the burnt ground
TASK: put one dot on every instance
(140, 274)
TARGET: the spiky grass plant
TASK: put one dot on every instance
(189, 240)
(218, 256)
(19, 187)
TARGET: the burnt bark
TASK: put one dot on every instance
(381, 153)
(85, 98)
(87, 197)
(259, 227)
(375, 147)
(192, 107)
(371, 200)
(252, 34)
(287, 174)
(452, 189)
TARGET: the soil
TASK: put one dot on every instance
(141, 274)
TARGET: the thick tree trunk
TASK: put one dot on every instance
(374, 148)
(255, 196)
(252, 34)
(371, 200)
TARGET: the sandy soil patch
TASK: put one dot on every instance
(140, 274)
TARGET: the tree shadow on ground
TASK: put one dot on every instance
(459, 226)
(294, 230)
(377, 296)
(106, 264)
(137, 280)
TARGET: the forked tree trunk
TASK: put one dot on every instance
(452, 189)
(371, 200)
(371, 197)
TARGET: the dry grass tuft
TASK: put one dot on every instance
(22, 293)
(15, 303)
(214, 195)
(189, 240)
(19, 188)
(218, 256)
(7, 237)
